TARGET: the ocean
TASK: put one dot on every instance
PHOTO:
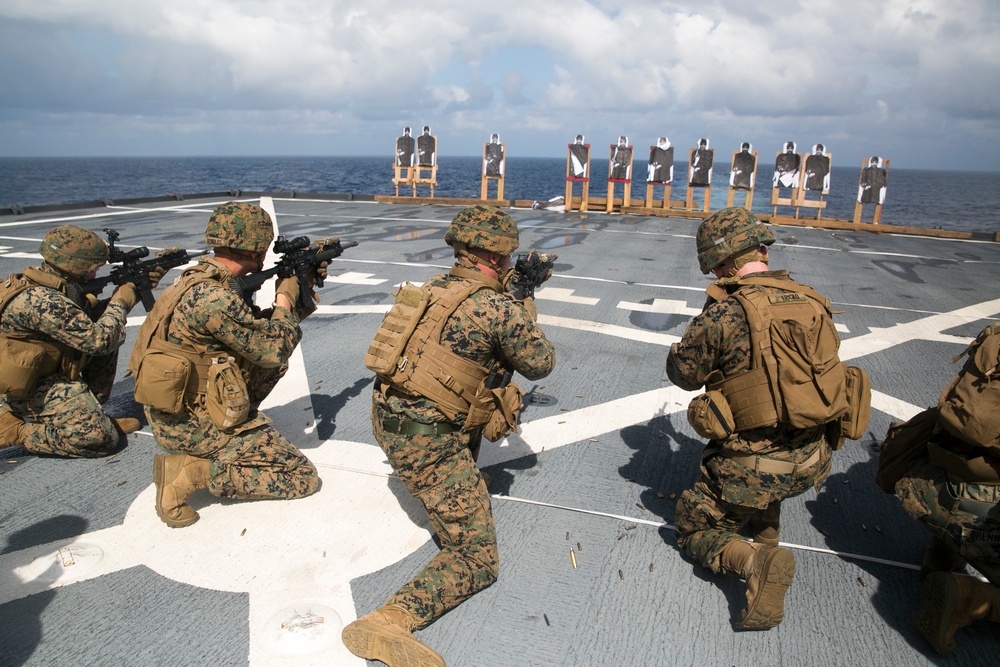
(958, 200)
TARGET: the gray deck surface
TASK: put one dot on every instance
(603, 451)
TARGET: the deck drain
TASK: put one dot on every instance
(302, 629)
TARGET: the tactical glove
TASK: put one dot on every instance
(290, 288)
(126, 295)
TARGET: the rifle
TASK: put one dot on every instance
(298, 258)
(531, 270)
(134, 269)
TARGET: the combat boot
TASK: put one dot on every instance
(951, 601)
(175, 477)
(11, 429)
(125, 425)
(386, 635)
(766, 524)
(768, 572)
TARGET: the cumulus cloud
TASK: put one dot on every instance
(561, 66)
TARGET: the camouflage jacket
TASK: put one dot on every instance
(488, 328)
(718, 338)
(214, 317)
(48, 315)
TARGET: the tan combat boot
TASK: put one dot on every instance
(768, 572)
(125, 425)
(766, 524)
(11, 429)
(176, 476)
(950, 601)
(386, 635)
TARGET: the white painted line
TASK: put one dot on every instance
(355, 278)
(662, 306)
(637, 335)
(925, 328)
(563, 295)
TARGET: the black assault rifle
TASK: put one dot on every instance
(531, 270)
(298, 258)
(133, 269)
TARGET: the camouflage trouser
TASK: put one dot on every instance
(930, 498)
(710, 515)
(252, 461)
(68, 420)
(440, 472)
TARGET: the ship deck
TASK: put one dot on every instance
(89, 574)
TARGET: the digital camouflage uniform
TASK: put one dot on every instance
(931, 497)
(251, 460)
(66, 414)
(745, 475)
(440, 470)
(953, 491)
(710, 515)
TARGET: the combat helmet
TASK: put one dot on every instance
(727, 233)
(241, 226)
(483, 227)
(74, 250)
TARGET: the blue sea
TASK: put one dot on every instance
(959, 200)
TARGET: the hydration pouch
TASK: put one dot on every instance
(508, 403)
(161, 380)
(854, 422)
(226, 397)
(710, 415)
(22, 364)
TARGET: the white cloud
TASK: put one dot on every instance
(722, 67)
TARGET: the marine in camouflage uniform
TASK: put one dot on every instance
(955, 495)
(743, 478)
(83, 335)
(250, 460)
(433, 456)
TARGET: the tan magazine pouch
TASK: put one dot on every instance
(226, 398)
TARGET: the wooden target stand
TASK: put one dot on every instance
(626, 182)
(803, 201)
(858, 206)
(748, 200)
(498, 179)
(776, 198)
(424, 174)
(402, 175)
(651, 201)
(571, 180)
(705, 189)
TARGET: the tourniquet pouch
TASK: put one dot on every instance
(904, 446)
(226, 396)
(508, 402)
(22, 364)
(710, 416)
(970, 404)
(161, 379)
(854, 422)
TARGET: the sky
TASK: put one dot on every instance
(914, 81)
